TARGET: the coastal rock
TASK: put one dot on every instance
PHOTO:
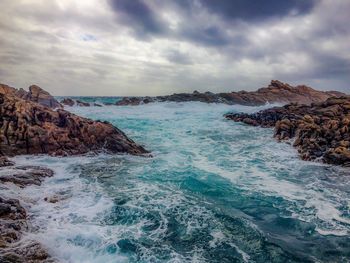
(35, 94)
(26, 175)
(320, 130)
(13, 218)
(276, 92)
(30, 128)
(82, 103)
(4, 161)
(13, 223)
(38, 95)
(68, 102)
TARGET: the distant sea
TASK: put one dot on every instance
(214, 191)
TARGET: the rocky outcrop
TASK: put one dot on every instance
(13, 218)
(68, 102)
(35, 94)
(4, 161)
(276, 92)
(27, 127)
(83, 103)
(26, 175)
(320, 131)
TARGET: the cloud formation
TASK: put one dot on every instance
(152, 47)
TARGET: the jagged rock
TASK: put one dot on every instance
(68, 102)
(30, 128)
(4, 161)
(13, 222)
(26, 175)
(276, 92)
(13, 218)
(82, 103)
(35, 94)
(26, 252)
(321, 130)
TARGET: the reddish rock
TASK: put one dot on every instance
(30, 128)
(276, 92)
(35, 94)
(13, 218)
(320, 131)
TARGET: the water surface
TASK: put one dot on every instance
(215, 191)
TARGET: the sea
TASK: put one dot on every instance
(214, 191)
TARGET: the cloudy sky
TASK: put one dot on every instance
(152, 47)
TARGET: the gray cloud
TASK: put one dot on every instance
(250, 10)
(178, 57)
(150, 47)
(140, 16)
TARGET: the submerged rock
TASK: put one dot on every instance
(320, 131)
(13, 223)
(276, 92)
(13, 218)
(82, 103)
(4, 161)
(26, 175)
(30, 128)
(68, 102)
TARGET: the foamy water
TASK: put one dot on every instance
(215, 191)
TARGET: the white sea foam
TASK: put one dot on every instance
(191, 143)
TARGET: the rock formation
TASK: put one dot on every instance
(13, 217)
(26, 175)
(320, 131)
(276, 92)
(82, 103)
(68, 102)
(27, 127)
(35, 94)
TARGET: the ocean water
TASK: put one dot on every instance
(214, 191)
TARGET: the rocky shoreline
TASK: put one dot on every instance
(14, 219)
(33, 122)
(320, 131)
(275, 92)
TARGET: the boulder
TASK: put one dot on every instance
(82, 103)
(68, 102)
(38, 95)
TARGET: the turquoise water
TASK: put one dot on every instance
(215, 191)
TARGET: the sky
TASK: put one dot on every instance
(158, 47)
